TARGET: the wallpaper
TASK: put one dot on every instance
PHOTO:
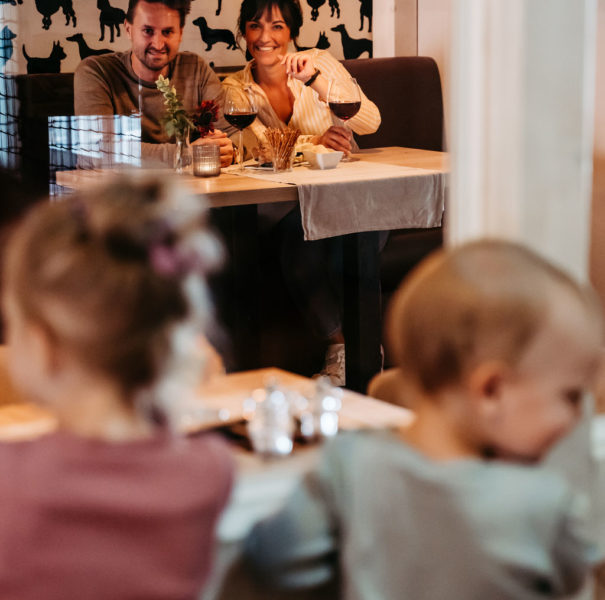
(52, 36)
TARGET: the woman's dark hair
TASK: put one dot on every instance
(183, 6)
(252, 10)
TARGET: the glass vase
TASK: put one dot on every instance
(183, 157)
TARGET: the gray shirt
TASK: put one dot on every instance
(409, 528)
(107, 85)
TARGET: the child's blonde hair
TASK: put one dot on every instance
(480, 301)
(115, 276)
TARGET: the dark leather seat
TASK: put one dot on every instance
(41, 96)
(407, 90)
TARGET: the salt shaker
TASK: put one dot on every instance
(271, 426)
(320, 418)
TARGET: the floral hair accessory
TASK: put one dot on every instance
(204, 116)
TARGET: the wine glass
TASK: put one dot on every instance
(239, 110)
(344, 100)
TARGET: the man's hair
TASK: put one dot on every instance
(484, 300)
(183, 6)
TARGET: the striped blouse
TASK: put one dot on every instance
(310, 114)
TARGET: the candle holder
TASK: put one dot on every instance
(206, 160)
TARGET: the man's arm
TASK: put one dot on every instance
(93, 95)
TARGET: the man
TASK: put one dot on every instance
(123, 83)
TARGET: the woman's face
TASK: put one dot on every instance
(268, 37)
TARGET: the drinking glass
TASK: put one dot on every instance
(240, 110)
(344, 100)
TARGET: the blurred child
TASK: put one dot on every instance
(105, 302)
(496, 348)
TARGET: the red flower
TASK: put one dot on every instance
(204, 116)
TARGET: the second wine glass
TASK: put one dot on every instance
(239, 109)
(344, 100)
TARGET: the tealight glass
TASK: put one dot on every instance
(206, 160)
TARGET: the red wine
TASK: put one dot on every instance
(241, 120)
(345, 110)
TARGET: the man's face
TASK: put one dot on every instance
(155, 33)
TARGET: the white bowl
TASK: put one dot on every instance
(322, 160)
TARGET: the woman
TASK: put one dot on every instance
(292, 88)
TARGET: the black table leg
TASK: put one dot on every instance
(362, 322)
(239, 226)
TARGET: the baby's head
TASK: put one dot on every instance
(112, 278)
(513, 339)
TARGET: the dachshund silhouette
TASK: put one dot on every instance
(335, 7)
(365, 10)
(323, 43)
(84, 49)
(315, 4)
(110, 17)
(11, 2)
(353, 47)
(218, 10)
(213, 36)
(47, 8)
(6, 45)
(50, 64)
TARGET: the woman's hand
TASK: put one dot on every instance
(337, 138)
(299, 65)
(220, 139)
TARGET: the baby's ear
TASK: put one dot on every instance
(485, 385)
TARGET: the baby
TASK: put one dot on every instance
(105, 302)
(496, 348)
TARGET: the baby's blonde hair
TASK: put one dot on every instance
(484, 300)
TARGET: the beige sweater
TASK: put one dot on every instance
(107, 85)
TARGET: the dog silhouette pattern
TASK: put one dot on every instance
(353, 47)
(315, 4)
(49, 64)
(83, 48)
(110, 17)
(365, 10)
(47, 8)
(323, 43)
(214, 36)
(218, 10)
(335, 7)
(6, 45)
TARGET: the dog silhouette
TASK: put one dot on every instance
(84, 49)
(218, 10)
(365, 10)
(353, 47)
(315, 4)
(323, 43)
(110, 17)
(335, 7)
(6, 45)
(50, 64)
(47, 8)
(213, 36)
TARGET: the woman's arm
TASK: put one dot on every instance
(302, 65)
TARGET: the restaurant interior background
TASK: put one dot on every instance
(400, 27)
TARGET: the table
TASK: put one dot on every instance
(362, 310)
(261, 486)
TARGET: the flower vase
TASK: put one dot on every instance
(182, 153)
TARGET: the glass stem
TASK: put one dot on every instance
(241, 152)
